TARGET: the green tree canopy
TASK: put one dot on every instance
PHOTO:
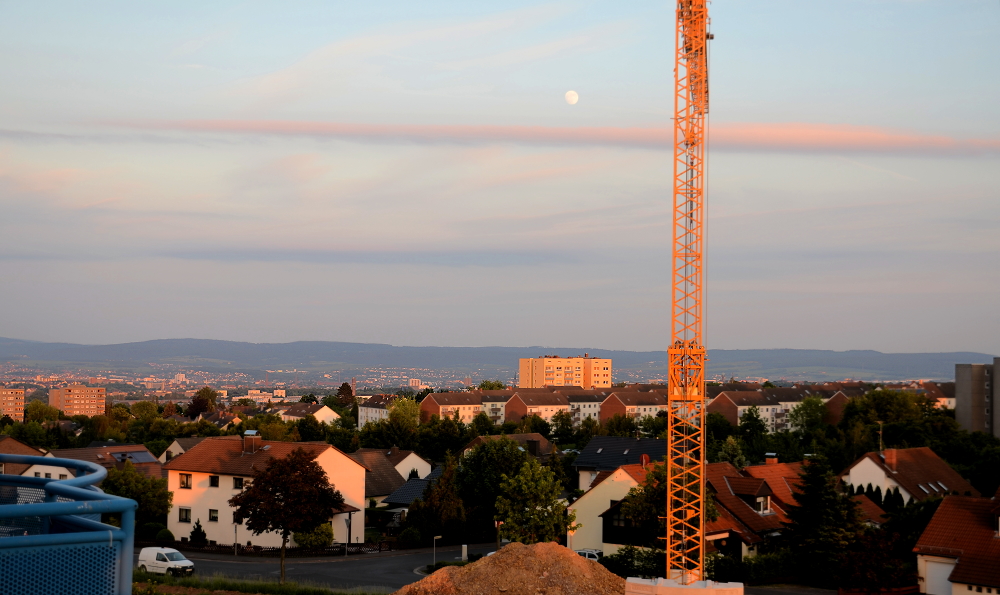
(345, 395)
(310, 430)
(39, 411)
(491, 385)
(479, 481)
(151, 493)
(753, 432)
(145, 411)
(290, 494)
(562, 427)
(808, 416)
(440, 511)
(529, 506)
(732, 451)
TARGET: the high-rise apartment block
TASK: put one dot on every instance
(976, 397)
(78, 399)
(12, 403)
(551, 370)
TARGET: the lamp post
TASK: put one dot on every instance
(348, 542)
(236, 540)
(435, 542)
(497, 524)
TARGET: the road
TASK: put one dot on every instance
(384, 572)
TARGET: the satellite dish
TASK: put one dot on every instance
(644, 460)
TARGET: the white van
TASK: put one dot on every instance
(164, 560)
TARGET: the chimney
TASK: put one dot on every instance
(770, 458)
(394, 450)
(251, 442)
(890, 459)
(533, 447)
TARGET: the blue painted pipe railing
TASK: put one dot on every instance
(51, 540)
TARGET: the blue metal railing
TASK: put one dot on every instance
(51, 537)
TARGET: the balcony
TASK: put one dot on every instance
(51, 537)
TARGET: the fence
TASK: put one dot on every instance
(336, 549)
(51, 537)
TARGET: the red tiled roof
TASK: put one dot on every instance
(727, 522)
(224, 455)
(13, 446)
(781, 477)
(916, 467)
(870, 512)
(716, 476)
(965, 528)
(636, 471)
(637, 399)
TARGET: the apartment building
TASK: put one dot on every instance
(12, 403)
(551, 370)
(374, 409)
(78, 399)
(975, 397)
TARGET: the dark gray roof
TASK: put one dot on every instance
(607, 453)
(412, 489)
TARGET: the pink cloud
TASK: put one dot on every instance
(790, 137)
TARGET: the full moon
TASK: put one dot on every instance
(572, 97)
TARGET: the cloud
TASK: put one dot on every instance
(732, 137)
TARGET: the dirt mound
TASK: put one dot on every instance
(517, 569)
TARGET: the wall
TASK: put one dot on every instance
(868, 472)
(413, 461)
(592, 504)
(725, 407)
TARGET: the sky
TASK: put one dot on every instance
(411, 173)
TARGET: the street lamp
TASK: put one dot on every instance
(435, 542)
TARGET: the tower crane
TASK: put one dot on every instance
(685, 507)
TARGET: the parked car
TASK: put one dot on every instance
(164, 560)
(594, 555)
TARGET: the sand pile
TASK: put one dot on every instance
(517, 569)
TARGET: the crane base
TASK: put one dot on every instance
(663, 586)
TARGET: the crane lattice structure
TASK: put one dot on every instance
(685, 525)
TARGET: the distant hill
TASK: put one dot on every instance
(770, 363)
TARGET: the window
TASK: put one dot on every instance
(763, 504)
(184, 515)
(185, 481)
(213, 515)
(37, 474)
(237, 483)
(161, 558)
(62, 476)
(48, 476)
(213, 481)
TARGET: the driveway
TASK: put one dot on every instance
(380, 572)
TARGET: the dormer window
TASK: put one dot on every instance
(763, 504)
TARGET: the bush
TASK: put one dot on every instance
(632, 561)
(165, 535)
(320, 537)
(410, 537)
(150, 530)
(762, 569)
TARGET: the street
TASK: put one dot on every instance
(381, 573)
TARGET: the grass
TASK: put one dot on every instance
(224, 583)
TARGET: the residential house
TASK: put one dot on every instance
(374, 409)
(401, 500)
(112, 455)
(461, 405)
(608, 489)
(750, 502)
(633, 404)
(321, 412)
(532, 442)
(178, 447)
(206, 476)
(220, 419)
(388, 469)
(607, 453)
(544, 404)
(584, 405)
(13, 446)
(918, 473)
(959, 551)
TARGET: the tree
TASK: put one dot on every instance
(145, 411)
(39, 411)
(267, 504)
(808, 415)
(753, 431)
(732, 451)
(345, 395)
(404, 413)
(479, 482)
(491, 385)
(621, 425)
(198, 406)
(310, 430)
(170, 410)
(535, 424)
(562, 427)
(482, 425)
(209, 395)
(310, 398)
(198, 537)
(589, 428)
(529, 506)
(440, 511)
(151, 493)
(824, 523)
